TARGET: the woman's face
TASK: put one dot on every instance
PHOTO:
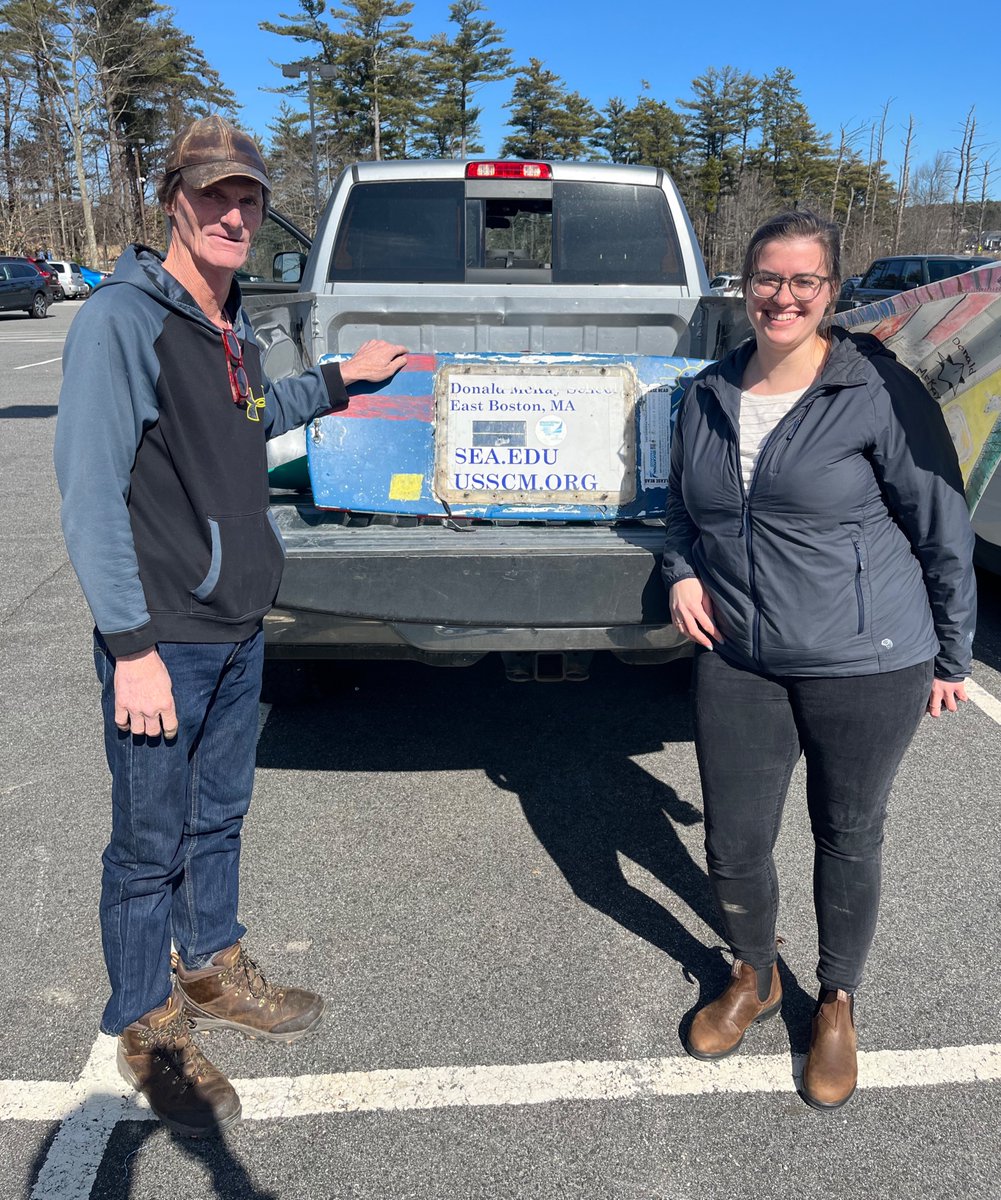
(782, 322)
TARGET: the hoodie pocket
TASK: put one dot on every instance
(245, 568)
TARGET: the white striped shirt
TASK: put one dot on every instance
(758, 417)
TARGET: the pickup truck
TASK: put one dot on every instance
(505, 493)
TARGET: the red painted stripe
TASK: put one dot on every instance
(390, 408)
(891, 325)
(421, 362)
(967, 308)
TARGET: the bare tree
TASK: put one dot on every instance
(982, 215)
(963, 157)
(903, 186)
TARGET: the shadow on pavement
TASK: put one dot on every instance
(566, 753)
(125, 1173)
(29, 410)
(987, 643)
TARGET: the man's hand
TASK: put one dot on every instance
(373, 361)
(144, 702)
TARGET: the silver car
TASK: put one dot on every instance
(74, 286)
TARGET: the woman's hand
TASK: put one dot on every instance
(944, 693)
(692, 612)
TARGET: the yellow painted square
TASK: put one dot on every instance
(405, 487)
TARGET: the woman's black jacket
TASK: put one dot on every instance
(851, 551)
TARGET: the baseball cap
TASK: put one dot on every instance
(210, 149)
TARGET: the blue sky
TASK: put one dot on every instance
(848, 59)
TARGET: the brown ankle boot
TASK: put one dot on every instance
(233, 994)
(158, 1058)
(831, 1070)
(719, 1028)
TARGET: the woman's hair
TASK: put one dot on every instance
(785, 226)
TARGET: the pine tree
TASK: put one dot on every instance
(289, 164)
(574, 128)
(376, 55)
(458, 68)
(536, 105)
(792, 151)
(611, 135)
(654, 135)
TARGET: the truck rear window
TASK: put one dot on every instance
(580, 233)
(614, 233)
(401, 233)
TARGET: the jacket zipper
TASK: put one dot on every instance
(744, 531)
(859, 568)
(745, 506)
(790, 434)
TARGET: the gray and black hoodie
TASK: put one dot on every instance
(851, 551)
(163, 478)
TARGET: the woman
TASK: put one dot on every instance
(818, 543)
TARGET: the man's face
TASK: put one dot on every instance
(216, 224)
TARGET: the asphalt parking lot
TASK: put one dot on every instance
(501, 890)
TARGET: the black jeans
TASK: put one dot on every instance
(749, 732)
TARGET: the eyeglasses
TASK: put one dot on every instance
(238, 380)
(765, 285)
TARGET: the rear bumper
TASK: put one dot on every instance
(486, 588)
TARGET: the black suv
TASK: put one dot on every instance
(22, 286)
(902, 272)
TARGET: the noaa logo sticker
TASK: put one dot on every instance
(551, 431)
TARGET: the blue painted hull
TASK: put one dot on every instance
(380, 454)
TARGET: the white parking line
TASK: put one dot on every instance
(100, 1097)
(984, 700)
(89, 1110)
(12, 339)
(43, 363)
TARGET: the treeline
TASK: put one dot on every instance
(90, 94)
(89, 97)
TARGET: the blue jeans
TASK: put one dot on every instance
(749, 733)
(171, 868)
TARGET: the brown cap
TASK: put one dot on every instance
(211, 149)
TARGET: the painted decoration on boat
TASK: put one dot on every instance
(949, 333)
(527, 437)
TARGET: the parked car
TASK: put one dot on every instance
(92, 278)
(848, 286)
(902, 272)
(725, 285)
(22, 286)
(72, 282)
(52, 285)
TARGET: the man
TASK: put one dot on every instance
(160, 456)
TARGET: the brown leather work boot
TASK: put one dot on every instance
(831, 1070)
(157, 1056)
(719, 1028)
(233, 993)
